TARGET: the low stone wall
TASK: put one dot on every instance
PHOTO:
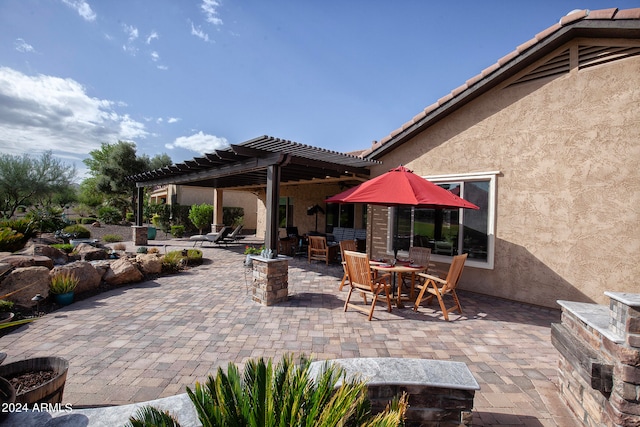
(440, 392)
(599, 364)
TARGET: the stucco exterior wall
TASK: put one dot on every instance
(191, 195)
(568, 196)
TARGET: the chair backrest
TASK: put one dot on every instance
(455, 271)
(358, 269)
(235, 232)
(224, 232)
(317, 242)
(420, 256)
(347, 245)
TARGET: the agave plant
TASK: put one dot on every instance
(282, 395)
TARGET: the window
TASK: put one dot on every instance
(285, 212)
(450, 232)
(340, 215)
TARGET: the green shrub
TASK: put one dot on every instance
(130, 217)
(23, 225)
(90, 220)
(282, 394)
(63, 283)
(201, 216)
(46, 220)
(193, 257)
(112, 238)
(5, 305)
(177, 230)
(142, 250)
(10, 240)
(78, 231)
(109, 214)
(65, 247)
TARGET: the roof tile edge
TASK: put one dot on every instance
(601, 14)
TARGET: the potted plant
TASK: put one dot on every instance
(63, 286)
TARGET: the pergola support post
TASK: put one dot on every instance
(273, 202)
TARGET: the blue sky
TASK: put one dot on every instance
(186, 77)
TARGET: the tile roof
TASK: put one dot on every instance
(464, 92)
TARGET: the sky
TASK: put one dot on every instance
(187, 77)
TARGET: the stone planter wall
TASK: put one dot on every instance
(599, 366)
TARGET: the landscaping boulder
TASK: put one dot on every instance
(122, 271)
(58, 256)
(29, 261)
(90, 253)
(36, 278)
(101, 266)
(150, 263)
(5, 267)
(88, 277)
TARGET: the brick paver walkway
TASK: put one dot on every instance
(152, 339)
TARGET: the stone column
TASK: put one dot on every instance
(140, 235)
(270, 280)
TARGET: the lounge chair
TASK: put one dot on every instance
(234, 236)
(210, 237)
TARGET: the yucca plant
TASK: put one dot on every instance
(284, 395)
(63, 282)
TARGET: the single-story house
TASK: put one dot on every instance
(547, 142)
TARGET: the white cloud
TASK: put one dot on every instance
(23, 46)
(39, 113)
(210, 9)
(83, 9)
(162, 67)
(131, 31)
(155, 56)
(132, 34)
(152, 36)
(173, 120)
(199, 142)
(197, 31)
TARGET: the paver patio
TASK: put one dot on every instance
(152, 339)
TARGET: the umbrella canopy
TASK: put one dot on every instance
(401, 187)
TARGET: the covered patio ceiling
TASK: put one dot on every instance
(246, 165)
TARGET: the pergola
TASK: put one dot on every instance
(261, 162)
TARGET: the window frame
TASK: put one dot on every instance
(491, 216)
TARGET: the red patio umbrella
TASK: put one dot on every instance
(401, 187)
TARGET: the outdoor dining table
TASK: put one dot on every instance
(398, 270)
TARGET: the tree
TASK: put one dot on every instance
(24, 179)
(112, 164)
(160, 160)
(201, 215)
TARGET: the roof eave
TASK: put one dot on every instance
(501, 71)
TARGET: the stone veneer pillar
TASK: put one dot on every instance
(599, 367)
(140, 235)
(270, 280)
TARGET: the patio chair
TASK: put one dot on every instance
(441, 287)
(361, 279)
(346, 245)
(319, 251)
(234, 235)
